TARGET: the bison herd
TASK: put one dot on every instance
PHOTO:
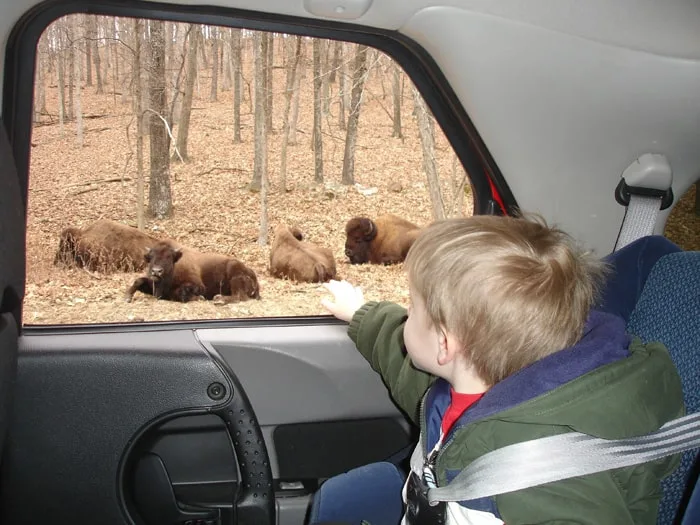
(178, 273)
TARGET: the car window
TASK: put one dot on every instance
(210, 138)
(683, 223)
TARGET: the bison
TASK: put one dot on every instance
(296, 259)
(182, 274)
(385, 240)
(105, 246)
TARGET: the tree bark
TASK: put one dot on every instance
(260, 160)
(61, 58)
(78, 110)
(294, 119)
(342, 86)
(427, 140)
(159, 195)
(214, 64)
(183, 127)
(396, 97)
(140, 220)
(268, 55)
(318, 113)
(89, 21)
(358, 83)
(293, 58)
(237, 66)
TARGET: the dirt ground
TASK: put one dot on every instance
(214, 211)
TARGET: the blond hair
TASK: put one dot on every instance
(512, 290)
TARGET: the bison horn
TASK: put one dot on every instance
(371, 230)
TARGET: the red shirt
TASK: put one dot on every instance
(459, 403)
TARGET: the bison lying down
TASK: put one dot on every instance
(385, 240)
(299, 260)
(105, 245)
(182, 274)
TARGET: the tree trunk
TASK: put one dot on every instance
(140, 221)
(427, 140)
(214, 64)
(294, 119)
(203, 47)
(89, 21)
(697, 199)
(78, 111)
(98, 65)
(71, 70)
(42, 60)
(342, 86)
(325, 84)
(60, 57)
(237, 66)
(226, 63)
(260, 160)
(358, 84)
(268, 47)
(337, 54)
(396, 97)
(183, 127)
(159, 196)
(293, 58)
(318, 113)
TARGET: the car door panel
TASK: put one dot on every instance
(123, 425)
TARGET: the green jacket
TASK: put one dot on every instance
(618, 389)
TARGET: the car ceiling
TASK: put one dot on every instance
(564, 94)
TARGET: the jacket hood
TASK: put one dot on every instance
(601, 386)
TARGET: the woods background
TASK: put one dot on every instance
(213, 136)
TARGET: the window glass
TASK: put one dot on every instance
(211, 138)
(683, 223)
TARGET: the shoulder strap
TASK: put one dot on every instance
(564, 456)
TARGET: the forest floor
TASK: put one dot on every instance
(72, 185)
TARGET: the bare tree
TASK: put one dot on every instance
(337, 54)
(78, 109)
(325, 69)
(60, 57)
(94, 42)
(214, 64)
(41, 66)
(358, 83)
(236, 57)
(396, 97)
(294, 118)
(260, 161)
(89, 38)
(71, 68)
(318, 113)
(293, 57)
(268, 57)
(194, 34)
(140, 221)
(341, 85)
(427, 140)
(159, 197)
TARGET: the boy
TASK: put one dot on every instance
(502, 336)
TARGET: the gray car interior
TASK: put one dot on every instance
(239, 421)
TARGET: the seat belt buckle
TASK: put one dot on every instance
(648, 176)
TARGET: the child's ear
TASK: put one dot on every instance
(449, 346)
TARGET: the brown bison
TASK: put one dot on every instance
(296, 259)
(183, 274)
(105, 246)
(385, 240)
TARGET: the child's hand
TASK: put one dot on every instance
(347, 299)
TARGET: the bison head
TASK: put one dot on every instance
(359, 232)
(67, 248)
(161, 259)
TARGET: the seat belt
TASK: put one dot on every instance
(538, 461)
(644, 189)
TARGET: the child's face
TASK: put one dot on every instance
(421, 336)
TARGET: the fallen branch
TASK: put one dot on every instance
(219, 169)
(94, 188)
